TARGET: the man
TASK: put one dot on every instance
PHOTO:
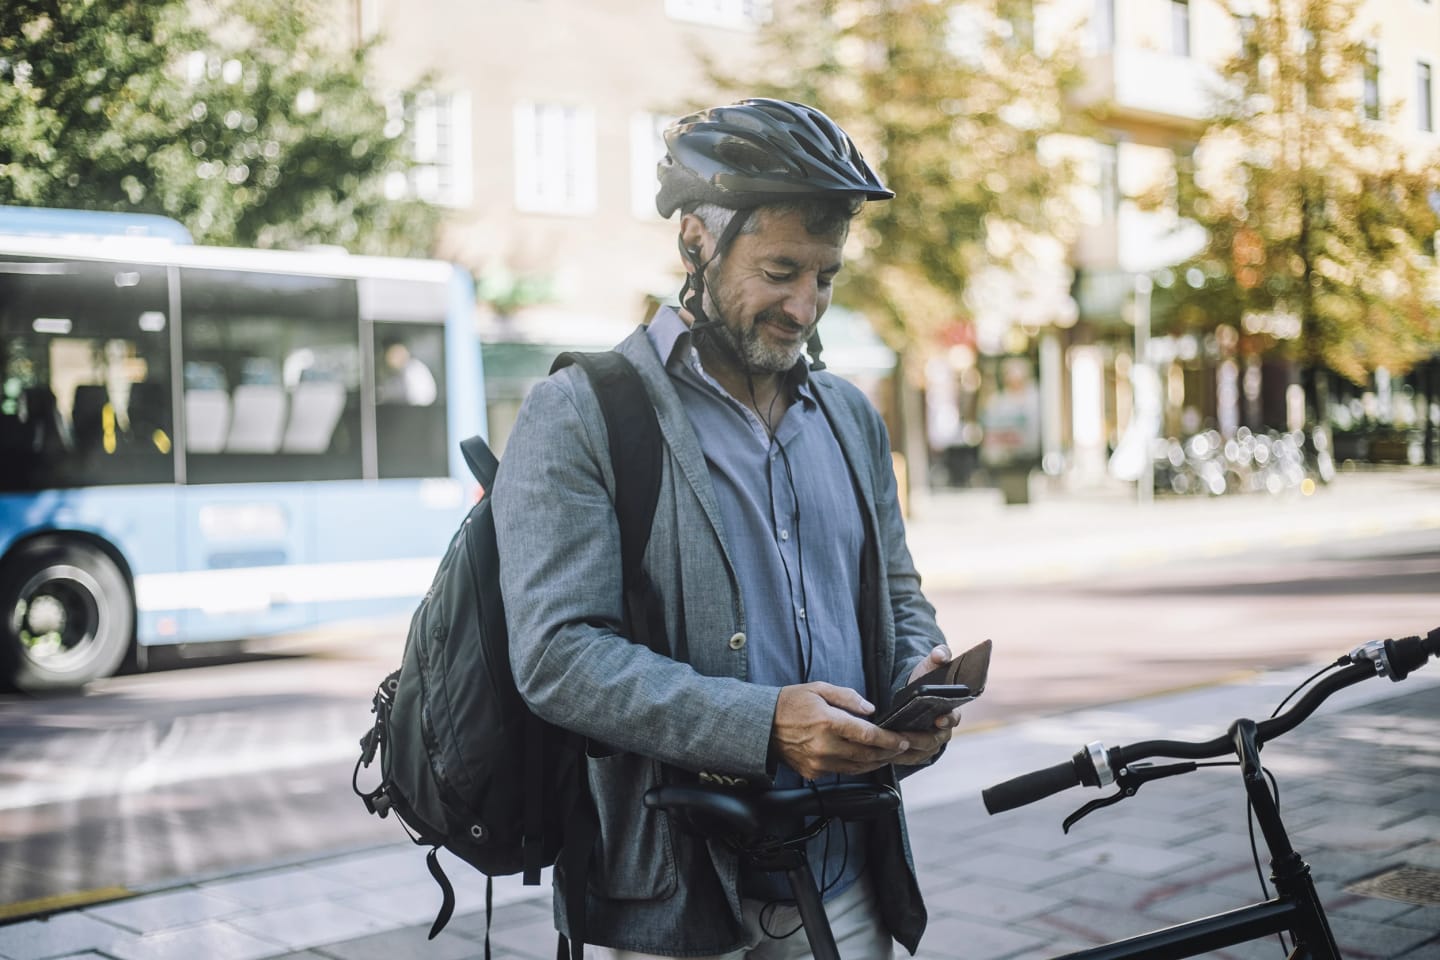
(777, 555)
(407, 379)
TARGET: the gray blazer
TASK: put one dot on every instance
(653, 888)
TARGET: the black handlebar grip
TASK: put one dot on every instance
(1029, 787)
(1405, 655)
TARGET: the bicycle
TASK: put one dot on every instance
(751, 822)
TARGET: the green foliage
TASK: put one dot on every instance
(950, 103)
(1318, 223)
(241, 120)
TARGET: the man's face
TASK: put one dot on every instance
(772, 288)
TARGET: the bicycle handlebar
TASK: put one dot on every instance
(1092, 765)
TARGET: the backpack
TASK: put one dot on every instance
(464, 764)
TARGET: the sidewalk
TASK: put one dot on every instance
(1358, 783)
(969, 538)
(1358, 786)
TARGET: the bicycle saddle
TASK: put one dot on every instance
(722, 811)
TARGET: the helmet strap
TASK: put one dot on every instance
(694, 284)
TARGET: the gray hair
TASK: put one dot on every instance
(824, 216)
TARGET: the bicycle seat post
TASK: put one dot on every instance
(812, 911)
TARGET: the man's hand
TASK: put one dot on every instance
(923, 746)
(818, 729)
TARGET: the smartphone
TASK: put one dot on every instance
(948, 686)
(918, 705)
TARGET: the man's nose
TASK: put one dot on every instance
(802, 306)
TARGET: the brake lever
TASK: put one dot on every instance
(1130, 779)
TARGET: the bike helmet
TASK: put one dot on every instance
(760, 151)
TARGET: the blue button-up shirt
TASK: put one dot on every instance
(793, 526)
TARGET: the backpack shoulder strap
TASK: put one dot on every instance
(636, 449)
(481, 460)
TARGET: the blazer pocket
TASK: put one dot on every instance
(636, 855)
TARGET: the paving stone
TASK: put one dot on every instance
(948, 937)
(277, 888)
(533, 938)
(984, 901)
(1362, 938)
(213, 940)
(309, 925)
(1137, 859)
(398, 944)
(1022, 871)
(161, 911)
(61, 935)
(1193, 905)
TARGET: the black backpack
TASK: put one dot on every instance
(464, 764)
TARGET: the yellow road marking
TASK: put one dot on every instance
(61, 901)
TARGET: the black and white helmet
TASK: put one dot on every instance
(760, 151)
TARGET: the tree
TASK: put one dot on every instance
(1320, 228)
(953, 103)
(238, 119)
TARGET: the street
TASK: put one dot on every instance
(246, 759)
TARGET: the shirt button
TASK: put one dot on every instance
(737, 642)
(784, 534)
(802, 613)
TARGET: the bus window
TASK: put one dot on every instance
(84, 375)
(410, 399)
(272, 377)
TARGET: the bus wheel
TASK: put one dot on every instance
(68, 615)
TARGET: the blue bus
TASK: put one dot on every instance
(199, 443)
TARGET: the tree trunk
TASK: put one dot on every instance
(910, 440)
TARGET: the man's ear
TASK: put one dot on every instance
(695, 238)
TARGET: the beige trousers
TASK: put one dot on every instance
(854, 919)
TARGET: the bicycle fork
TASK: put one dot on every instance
(1289, 872)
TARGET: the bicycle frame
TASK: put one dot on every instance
(1296, 910)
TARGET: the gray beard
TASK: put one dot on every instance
(757, 355)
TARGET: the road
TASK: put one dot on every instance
(246, 760)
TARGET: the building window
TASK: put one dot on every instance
(554, 158)
(1020, 21)
(367, 19)
(437, 127)
(1180, 27)
(720, 13)
(1423, 106)
(1107, 156)
(1103, 26)
(1370, 103)
(647, 149)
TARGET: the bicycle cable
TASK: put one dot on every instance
(1275, 786)
(1254, 847)
(1338, 662)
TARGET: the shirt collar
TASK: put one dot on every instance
(670, 336)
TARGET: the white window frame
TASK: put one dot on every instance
(437, 126)
(1424, 96)
(739, 14)
(1370, 83)
(1102, 26)
(1107, 179)
(647, 149)
(1182, 28)
(555, 158)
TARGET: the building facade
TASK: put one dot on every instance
(538, 128)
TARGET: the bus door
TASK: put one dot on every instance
(272, 410)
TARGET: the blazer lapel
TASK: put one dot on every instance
(674, 425)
